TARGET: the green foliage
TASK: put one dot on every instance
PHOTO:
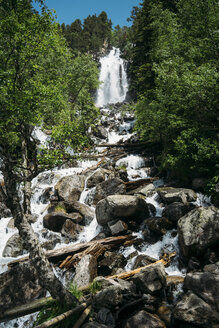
(178, 100)
(94, 287)
(72, 287)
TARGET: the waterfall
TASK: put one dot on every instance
(114, 79)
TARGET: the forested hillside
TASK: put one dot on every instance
(173, 73)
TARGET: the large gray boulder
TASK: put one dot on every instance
(143, 319)
(70, 188)
(97, 177)
(170, 195)
(71, 229)
(194, 310)
(175, 211)
(151, 279)
(109, 187)
(205, 285)
(121, 206)
(109, 297)
(55, 220)
(198, 230)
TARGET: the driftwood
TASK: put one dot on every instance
(61, 253)
(83, 317)
(131, 185)
(63, 316)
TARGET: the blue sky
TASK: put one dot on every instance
(69, 10)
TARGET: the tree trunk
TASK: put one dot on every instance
(20, 211)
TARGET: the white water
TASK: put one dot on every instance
(114, 80)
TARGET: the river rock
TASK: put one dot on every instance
(205, 285)
(143, 319)
(13, 247)
(97, 177)
(85, 270)
(176, 210)
(143, 260)
(121, 206)
(18, 286)
(94, 324)
(158, 225)
(194, 310)
(151, 279)
(70, 188)
(109, 297)
(147, 190)
(170, 195)
(100, 132)
(109, 187)
(198, 230)
(105, 316)
(117, 228)
(71, 229)
(127, 287)
(55, 220)
(111, 262)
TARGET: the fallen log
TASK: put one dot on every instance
(25, 309)
(63, 316)
(83, 317)
(61, 253)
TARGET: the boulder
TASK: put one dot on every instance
(105, 316)
(143, 260)
(205, 285)
(55, 220)
(194, 310)
(13, 247)
(100, 132)
(170, 195)
(176, 210)
(94, 324)
(143, 319)
(117, 228)
(147, 190)
(150, 280)
(111, 262)
(97, 177)
(109, 187)
(19, 286)
(109, 297)
(70, 188)
(127, 287)
(121, 206)
(198, 230)
(158, 225)
(85, 270)
(71, 229)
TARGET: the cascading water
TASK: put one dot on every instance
(114, 79)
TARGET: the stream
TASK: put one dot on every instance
(119, 129)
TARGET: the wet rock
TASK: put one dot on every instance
(123, 175)
(194, 310)
(212, 268)
(19, 286)
(109, 187)
(198, 230)
(109, 297)
(176, 210)
(121, 206)
(144, 319)
(55, 220)
(85, 271)
(170, 195)
(70, 188)
(98, 176)
(100, 132)
(158, 225)
(13, 247)
(143, 260)
(147, 190)
(150, 280)
(119, 227)
(205, 285)
(105, 316)
(164, 313)
(111, 262)
(125, 286)
(71, 229)
(198, 184)
(4, 211)
(151, 171)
